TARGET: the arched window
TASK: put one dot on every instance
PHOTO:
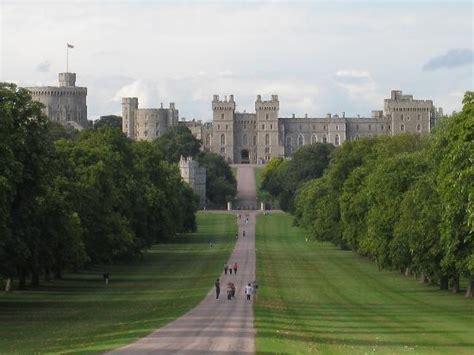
(244, 139)
(222, 139)
(325, 140)
(418, 127)
(267, 139)
(314, 138)
(336, 139)
(402, 128)
(401, 117)
(300, 140)
(208, 139)
(254, 140)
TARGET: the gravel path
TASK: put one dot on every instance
(216, 326)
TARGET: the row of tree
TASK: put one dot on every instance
(96, 197)
(404, 201)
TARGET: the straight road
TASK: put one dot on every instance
(216, 326)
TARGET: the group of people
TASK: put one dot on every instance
(229, 268)
(250, 290)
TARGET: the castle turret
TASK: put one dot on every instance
(67, 79)
(223, 126)
(268, 140)
(129, 110)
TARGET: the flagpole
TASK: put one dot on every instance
(67, 58)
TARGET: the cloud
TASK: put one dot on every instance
(43, 67)
(452, 59)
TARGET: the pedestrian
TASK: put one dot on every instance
(230, 270)
(248, 291)
(229, 291)
(243, 233)
(210, 244)
(236, 235)
(236, 266)
(106, 278)
(226, 267)
(254, 289)
(218, 288)
(232, 289)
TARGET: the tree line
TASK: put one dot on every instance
(405, 201)
(69, 200)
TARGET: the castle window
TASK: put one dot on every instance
(337, 127)
(263, 126)
(266, 116)
(226, 127)
(336, 140)
(267, 150)
(402, 128)
(146, 133)
(324, 127)
(381, 127)
(223, 150)
(408, 118)
(325, 140)
(222, 116)
(419, 117)
(389, 127)
(418, 127)
(271, 126)
(300, 140)
(222, 139)
(267, 139)
(401, 117)
(244, 139)
(218, 126)
(314, 138)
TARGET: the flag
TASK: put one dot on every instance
(70, 45)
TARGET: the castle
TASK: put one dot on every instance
(146, 123)
(258, 137)
(195, 176)
(66, 103)
(242, 137)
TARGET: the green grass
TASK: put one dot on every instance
(316, 298)
(80, 314)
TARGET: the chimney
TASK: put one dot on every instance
(305, 115)
(293, 115)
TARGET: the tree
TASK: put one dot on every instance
(453, 152)
(178, 141)
(109, 120)
(221, 185)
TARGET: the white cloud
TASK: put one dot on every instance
(186, 52)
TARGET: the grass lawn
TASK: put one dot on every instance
(80, 314)
(314, 297)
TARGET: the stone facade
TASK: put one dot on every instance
(146, 123)
(66, 103)
(195, 176)
(257, 137)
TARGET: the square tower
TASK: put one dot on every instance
(268, 137)
(223, 127)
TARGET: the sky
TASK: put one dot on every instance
(318, 56)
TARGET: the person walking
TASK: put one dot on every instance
(248, 291)
(243, 233)
(218, 288)
(226, 267)
(236, 266)
(230, 270)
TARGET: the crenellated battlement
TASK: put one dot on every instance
(270, 105)
(223, 105)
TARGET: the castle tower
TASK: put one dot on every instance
(223, 127)
(195, 176)
(129, 111)
(268, 140)
(66, 103)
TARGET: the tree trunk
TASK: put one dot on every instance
(58, 274)
(35, 280)
(455, 284)
(407, 272)
(423, 278)
(47, 275)
(443, 283)
(21, 280)
(470, 288)
(8, 286)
